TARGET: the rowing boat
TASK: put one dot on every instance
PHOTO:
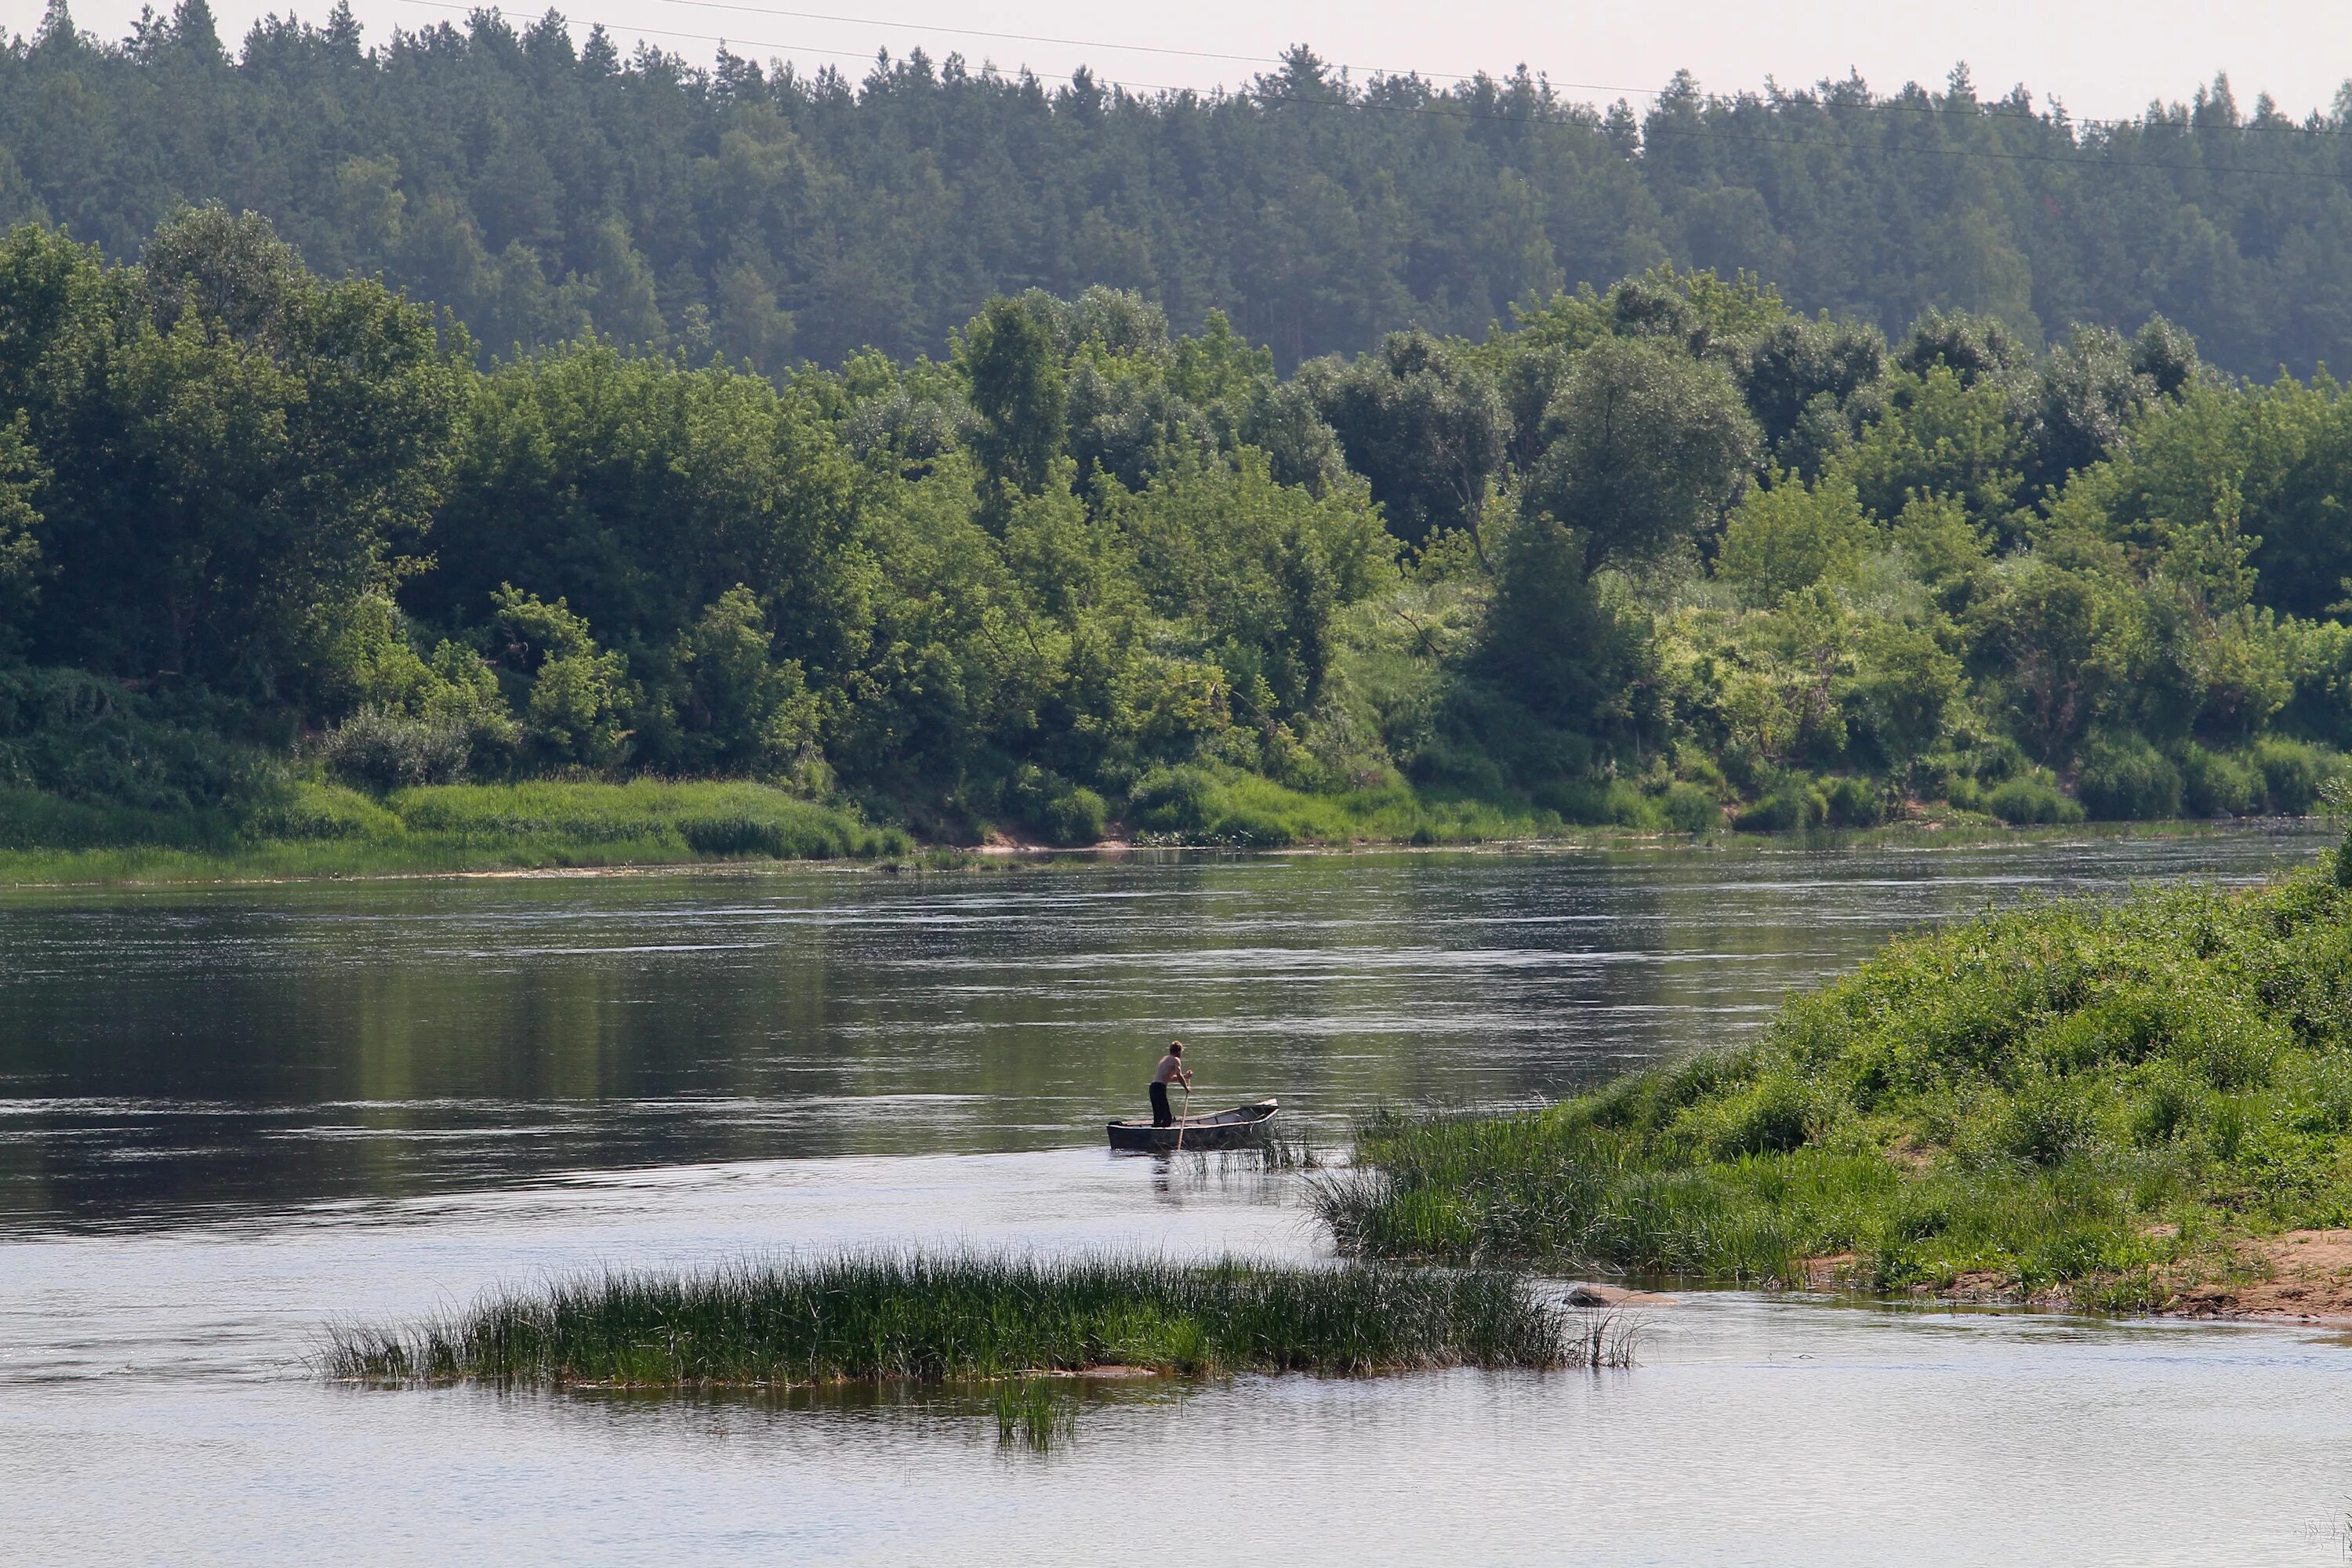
(1242, 1125)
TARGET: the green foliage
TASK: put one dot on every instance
(2216, 784)
(2028, 799)
(381, 749)
(1259, 570)
(2123, 778)
(2294, 774)
(1794, 805)
(1789, 535)
(738, 706)
(306, 829)
(1675, 552)
(231, 449)
(86, 739)
(763, 214)
(1014, 382)
(569, 691)
(1645, 448)
(2084, 1098)
(1426, 429)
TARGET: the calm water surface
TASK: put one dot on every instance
(228, 1116)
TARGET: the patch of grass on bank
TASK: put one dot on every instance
(940, 1319)
(318, 830)
(2097, 1101)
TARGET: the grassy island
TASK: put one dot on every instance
(2144, 1105)
(943, 1319)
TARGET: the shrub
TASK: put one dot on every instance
(2122, 778)
(1171, 799)
(1792, 806)
(1690, 809)
(1771, 1118)
(1075, 818)
(1856, 803)
(1062, 813)
(2099, 1101)
(1584, 802)
(381, 749)
(2293, 775)
(1595, 803)
(84, 738)
(2216, 784)
(2031, 798)
(2049, 1121)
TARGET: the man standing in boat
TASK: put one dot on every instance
(1170, 1070)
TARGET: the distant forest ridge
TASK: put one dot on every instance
(541, 186)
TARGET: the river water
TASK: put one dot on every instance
(228, 1116)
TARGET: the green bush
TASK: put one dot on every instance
(2049, 1121)
(1856, 803)
(382, 750)
(2122, 778)
(1171, 799)
(1581, 802)
(2031, 798)
(84, 738)
(1691, 809)
(2293, 774)
(1075, 817)
(1061, 812)
(2218, 783)
(1792, 806)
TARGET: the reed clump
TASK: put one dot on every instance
(1032, 1414)
(2105, 1102)
(935, 1319)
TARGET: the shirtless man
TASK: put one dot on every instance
(1170, 1070)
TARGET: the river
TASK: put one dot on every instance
(230, 1116)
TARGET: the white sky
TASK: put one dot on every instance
(2103, 58)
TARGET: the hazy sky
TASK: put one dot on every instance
(2100, 57)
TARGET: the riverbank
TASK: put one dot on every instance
(2118, 1107)
(318, 832)
(323, 833)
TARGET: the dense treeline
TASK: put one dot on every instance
(1651, 556)
(538, 186)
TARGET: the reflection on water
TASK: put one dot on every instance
(184, 1052)
(232, 1116)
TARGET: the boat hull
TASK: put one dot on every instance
(1239, 1128)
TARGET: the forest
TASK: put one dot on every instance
(1669, 555)
(539, 185)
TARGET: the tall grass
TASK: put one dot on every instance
(2098, 1100)
(1033, 1413)
(934, 1319)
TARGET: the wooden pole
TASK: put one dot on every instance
(1187, 1116)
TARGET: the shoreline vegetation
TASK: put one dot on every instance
(976, 1319)
(326, 832)
(2142, 1105)
(1670, 559)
